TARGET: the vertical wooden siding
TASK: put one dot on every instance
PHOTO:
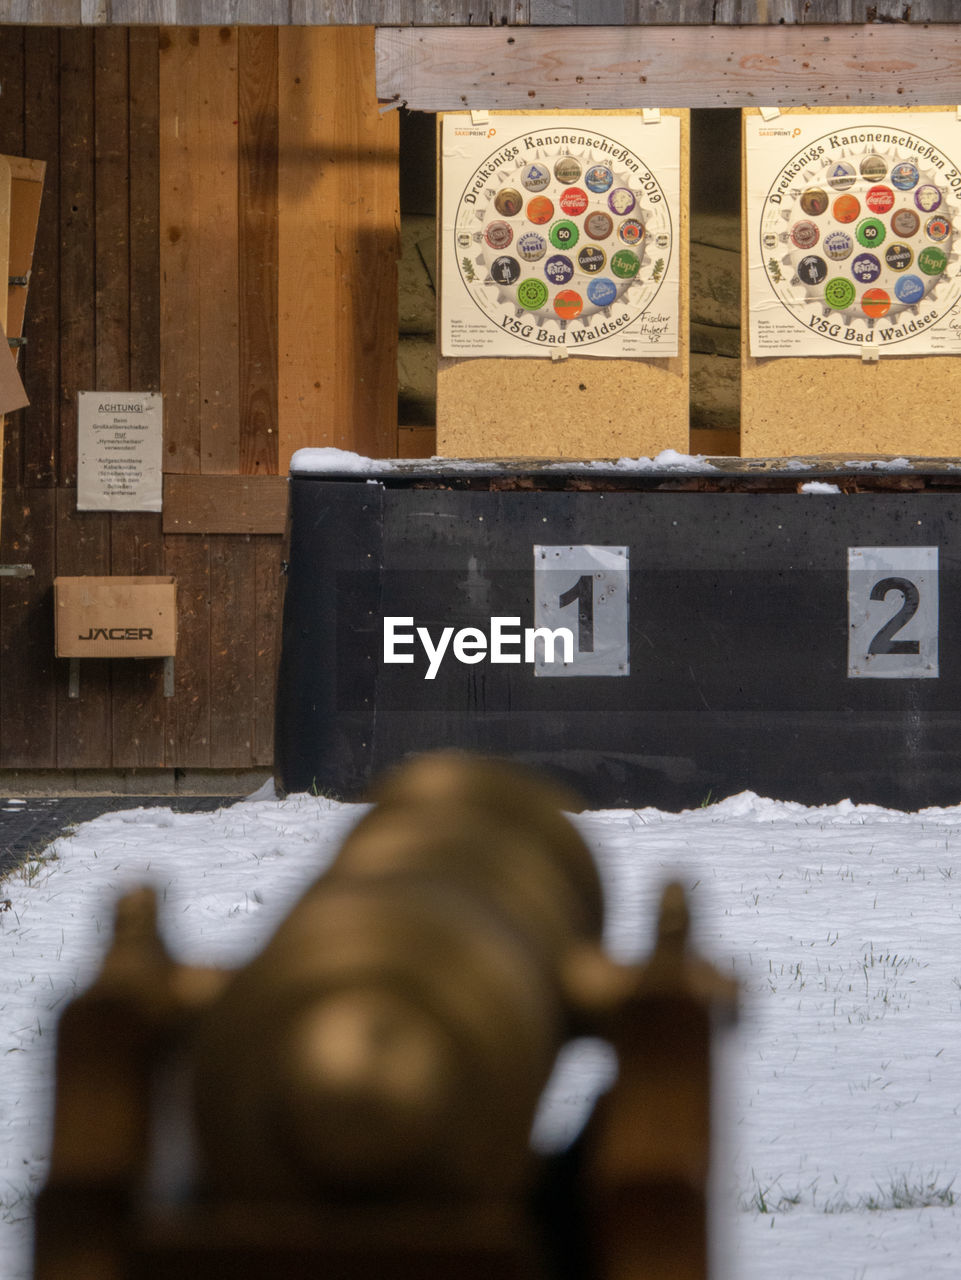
(338, 230)
(158, 267)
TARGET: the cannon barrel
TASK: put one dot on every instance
(359, 1098)
(397, 1032)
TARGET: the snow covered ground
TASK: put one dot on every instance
(840, 1134)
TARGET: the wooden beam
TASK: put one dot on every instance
(224, 504)
(465, 13)
(338, 245)
(218, 13)
(560, 68)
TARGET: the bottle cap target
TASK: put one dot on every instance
(870, 232)
(631, 231)
(531, 246)
(909, 290)
(932, 261)
(567, 169)
(573, 201)
(564, 234)
(905, 222)
(875, 303)
(568, 304)
(535, 177)
(846, 208)
(812, 270)
(927, 197)
(879, 199)
(559, 269)
(498, 234)
(905, 175)
(532, 294)
(873, 168)
(898, 257)
(505, 270)
(540, 210)
(805, 235)
(598, 225)
(838, 245)
(842, 176)
(599, 178)
(508, 202)
(814, 201)
(625, 264)
(866, 268)
(602, 292)
(591, 259)
(621, 201)
(839, 293)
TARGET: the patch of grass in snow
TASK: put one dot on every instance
(322, 793)
(16, 1205)
(770, 1199)
(900, 1193)
(903, 1191)
(34, 863)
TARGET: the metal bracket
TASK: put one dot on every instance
(16, 570)
(22, 281)
(17, 342)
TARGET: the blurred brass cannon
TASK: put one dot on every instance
(358, 1100)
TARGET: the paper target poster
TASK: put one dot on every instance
(853, 233)
(559, 235)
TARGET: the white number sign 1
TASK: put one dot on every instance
(893, 613)
(585, 589)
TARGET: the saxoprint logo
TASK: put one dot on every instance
(504, 642)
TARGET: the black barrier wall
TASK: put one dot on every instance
(802, 645)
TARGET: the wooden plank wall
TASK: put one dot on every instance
(158, 268)
(469, 13)
(559, 68)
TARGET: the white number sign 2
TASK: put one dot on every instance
(893, 613)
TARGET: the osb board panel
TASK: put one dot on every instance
(840, 404)
(581, 407)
